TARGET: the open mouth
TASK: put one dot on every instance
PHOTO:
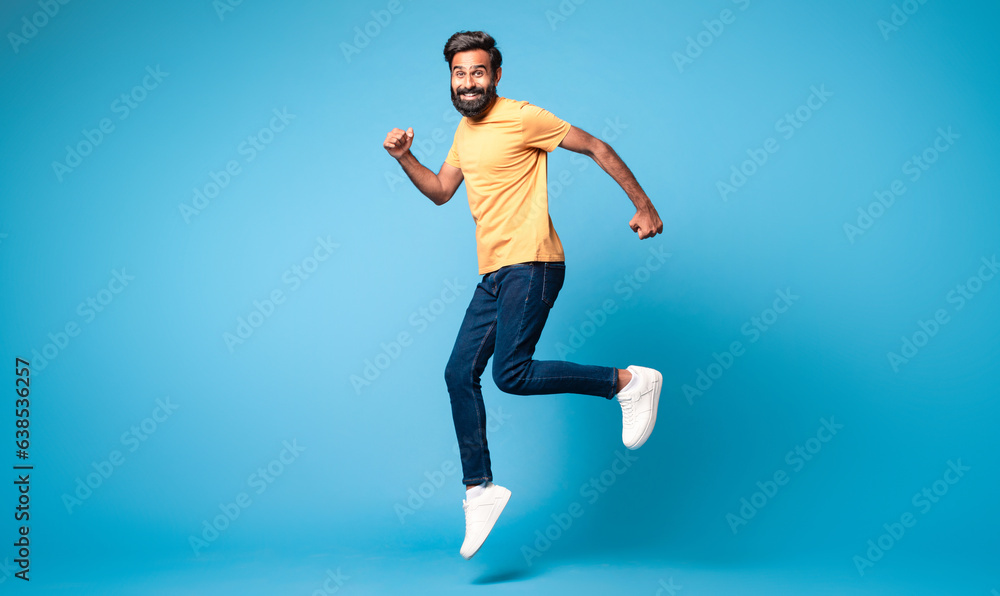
(472, 101)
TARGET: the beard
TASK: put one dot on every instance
(474, 107)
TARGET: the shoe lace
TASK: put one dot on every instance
(627, 409)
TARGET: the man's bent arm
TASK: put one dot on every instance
(647, 221)
(582, 142)
(439, 187)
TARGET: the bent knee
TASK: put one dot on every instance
(510, 381)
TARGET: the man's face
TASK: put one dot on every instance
(473, 86)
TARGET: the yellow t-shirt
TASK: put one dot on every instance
(503, 158)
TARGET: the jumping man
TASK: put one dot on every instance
(500, 151)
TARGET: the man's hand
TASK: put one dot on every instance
(439, 187)
(646, 223)
(397, 142)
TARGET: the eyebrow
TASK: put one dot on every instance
(483, 66)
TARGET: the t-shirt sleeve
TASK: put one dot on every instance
(452, 159)
(541, 129)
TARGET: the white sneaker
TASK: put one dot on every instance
(480, 515)
(639, 406)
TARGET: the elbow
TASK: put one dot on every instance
(598, 150)
(445, 194)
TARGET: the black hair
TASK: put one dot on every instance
(464, 41)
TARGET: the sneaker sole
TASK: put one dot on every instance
(657, 386)
(489, 524)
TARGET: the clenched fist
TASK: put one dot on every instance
(397, 142)
(646, 223)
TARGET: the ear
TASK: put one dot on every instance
(499, 72)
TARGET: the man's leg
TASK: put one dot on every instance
(527, 291)
(473, 348)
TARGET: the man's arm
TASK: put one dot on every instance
(646, 221)
(439, 187)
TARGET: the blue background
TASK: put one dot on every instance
(345, 503)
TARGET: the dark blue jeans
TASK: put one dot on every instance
(504, 320)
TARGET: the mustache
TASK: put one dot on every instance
(470, 90)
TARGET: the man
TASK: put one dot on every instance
(500, 150)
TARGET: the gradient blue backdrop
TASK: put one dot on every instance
(345, 505)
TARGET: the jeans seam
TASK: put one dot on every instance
(524, 311)
(545, 282)
(475, 402)
(527, 294)
(557, 377)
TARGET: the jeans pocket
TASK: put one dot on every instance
(552, 281)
